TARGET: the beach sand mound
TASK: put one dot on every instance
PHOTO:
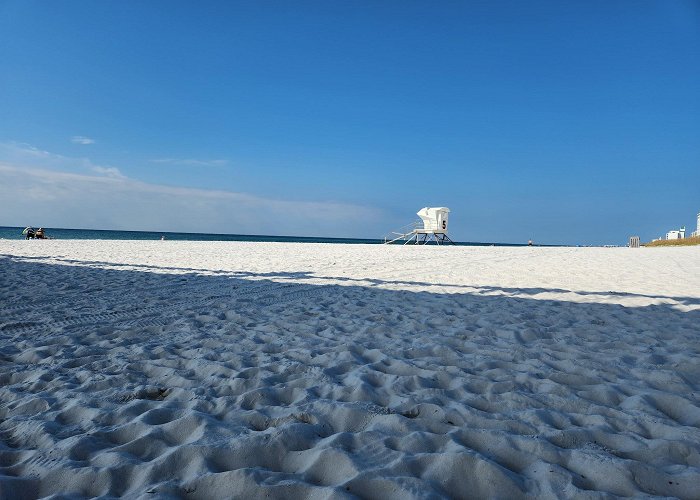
(239, 370)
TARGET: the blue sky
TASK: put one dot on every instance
(564, 122)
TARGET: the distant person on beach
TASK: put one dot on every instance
(29, 233)
(529, 243)
(40, 234)
(162, 238)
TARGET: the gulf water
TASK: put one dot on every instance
(15, 233)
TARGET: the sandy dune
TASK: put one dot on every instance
(202, 370)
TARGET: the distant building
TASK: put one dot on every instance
(676, 235)
(697, 231)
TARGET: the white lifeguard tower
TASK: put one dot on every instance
(432, 226)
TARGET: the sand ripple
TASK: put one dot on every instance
(141, 382)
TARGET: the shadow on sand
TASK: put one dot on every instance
(480, 392)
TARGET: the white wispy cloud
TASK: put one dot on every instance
(108, 171)
(14, 150)
(36, 187)
(191, 162)
(81, 139)
(18, 153)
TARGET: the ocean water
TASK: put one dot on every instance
(15, 233)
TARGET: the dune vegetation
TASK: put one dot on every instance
(694, 240)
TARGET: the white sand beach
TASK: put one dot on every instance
(238, 370)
